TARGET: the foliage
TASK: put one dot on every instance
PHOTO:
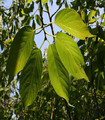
(67, 81)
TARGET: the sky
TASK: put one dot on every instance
(39, 38)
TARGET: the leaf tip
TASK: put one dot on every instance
(71, 105)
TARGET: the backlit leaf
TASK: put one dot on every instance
(93, 20)
(20, 51)
(58, 74)
(30, 78)
(83, 15)
(44, 1)
(70, 21)
(28, 1)
(70, 55)
(38, 20)
(91, 14)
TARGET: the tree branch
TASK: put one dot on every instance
(58, 9)
(53, 108)
(50, 18)
(41, 10)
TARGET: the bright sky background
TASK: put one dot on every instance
(39, 38)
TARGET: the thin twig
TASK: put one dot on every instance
(53, 109)
(42, 22)
(50, 18)
(50, 34)
(42, 43)
(39, 9)
(39, 32)
(48, 40)
(37, 28)
(46, 25)
(58, 9)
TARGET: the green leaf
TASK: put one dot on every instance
(44, 1)
(38, 20)
(20, 51)
(70, 55)
(27, 10)
(31, 77)
(103, 16)
(33, 24)
(70, 21)
(28, 1)
(58, 74)
(83, 15)
(91, 14)
(93, 20)
(103, 24)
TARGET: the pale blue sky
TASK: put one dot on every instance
(39, 38)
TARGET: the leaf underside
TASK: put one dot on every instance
(20, 51)
(70, 55)
(58, 74)
(70, 21)
(31, 77)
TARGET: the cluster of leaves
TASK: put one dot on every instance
(66, 62)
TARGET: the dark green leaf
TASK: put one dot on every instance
(33, 24)
(30, 77)
(20, 51)
(38, 20)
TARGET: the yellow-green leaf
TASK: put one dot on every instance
(91, 14)
(83, 15)
(70, 55)
(70, 21)
(93, 20)
(58, 74)
(28, 1)
(44, 1)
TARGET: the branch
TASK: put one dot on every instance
(39, 32)
(40, 9)
(37, 28)
(58, 9)
(44, 41)
(50, 18)
(53, 108)
(50, 34)
(46, 25)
